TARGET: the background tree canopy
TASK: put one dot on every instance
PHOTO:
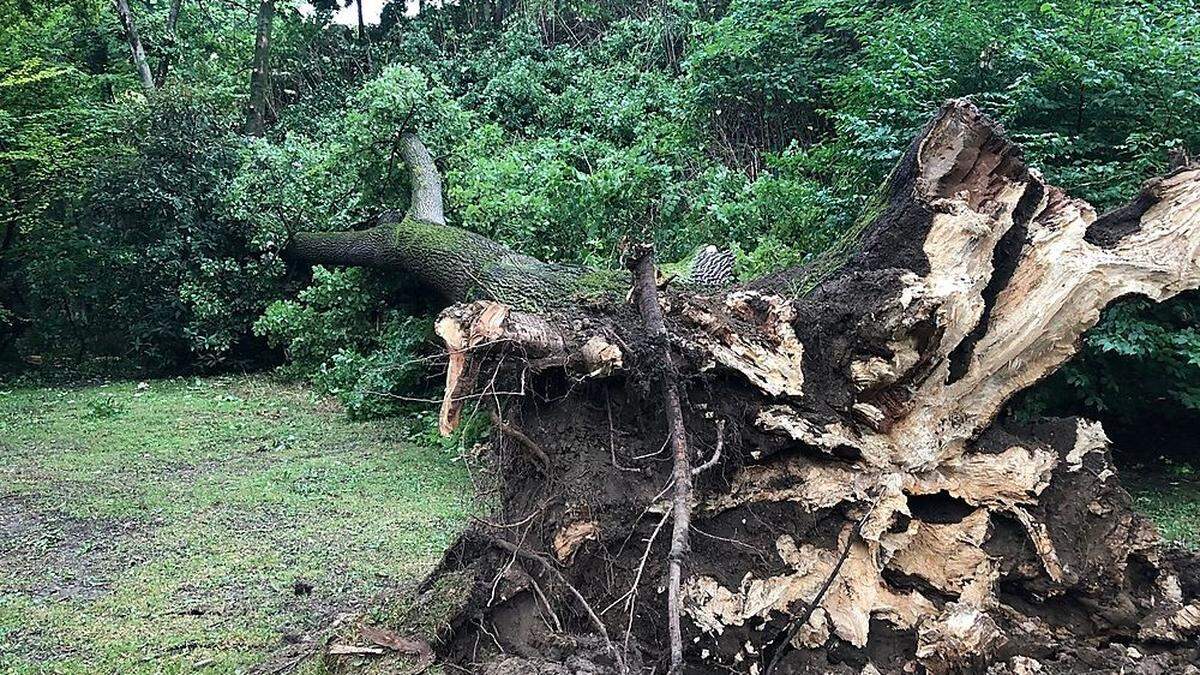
(142, 225)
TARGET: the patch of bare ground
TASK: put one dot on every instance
(45, 553)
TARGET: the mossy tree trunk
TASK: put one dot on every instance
(454, 263)
(135, 44)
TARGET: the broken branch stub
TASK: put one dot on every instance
(470, 331)
(869, 504)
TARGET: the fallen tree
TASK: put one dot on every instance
(459, 265)
(858, 501)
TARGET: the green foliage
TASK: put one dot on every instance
(757, 76)
(148, 227)
(1142, 361)
(1094, 92)
(104, 407)
(339, 333)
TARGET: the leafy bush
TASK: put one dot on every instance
(1141, 362)
(105, 407)
(140, 260)
(339, 333)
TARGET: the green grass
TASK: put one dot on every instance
(164, 528)
(1171, 498)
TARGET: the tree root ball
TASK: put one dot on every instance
(872, 509)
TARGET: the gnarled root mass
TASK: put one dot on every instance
(870, 510)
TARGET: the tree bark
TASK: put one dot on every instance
(260, 74)
(456, 264)
(363, 38)
(164, 61)
(461, 266)
(135, 45)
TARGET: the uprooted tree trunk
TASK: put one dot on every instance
(864, 506)
(460, 265)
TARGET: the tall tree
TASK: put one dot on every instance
(164, 61)
(135, 45)
(362, 33)
(260, 75)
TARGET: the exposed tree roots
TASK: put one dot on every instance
(864, 506)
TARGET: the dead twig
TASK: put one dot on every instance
(541, 595)
(637, 580)
(645, 289)
(716, 456)
(812, 606)
(612, 438)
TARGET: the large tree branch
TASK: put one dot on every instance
(460, 265)
(362, 248)
(425, 202)
(451, 261)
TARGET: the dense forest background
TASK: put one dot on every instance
(144, 209)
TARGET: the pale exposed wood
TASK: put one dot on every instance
(1008, 280)
(771, 358)
(568, 539)
(858, 592)
(925, 554)
(472, 328)
(1056, 291)
(1177, 625)
(455, 338)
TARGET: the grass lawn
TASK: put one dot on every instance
(1171, 499)
(193, 525)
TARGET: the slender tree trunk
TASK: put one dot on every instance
(168, 55)
(260, 76)
(363, 38)
(135, 44)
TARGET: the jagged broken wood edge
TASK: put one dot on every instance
(913, 420)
